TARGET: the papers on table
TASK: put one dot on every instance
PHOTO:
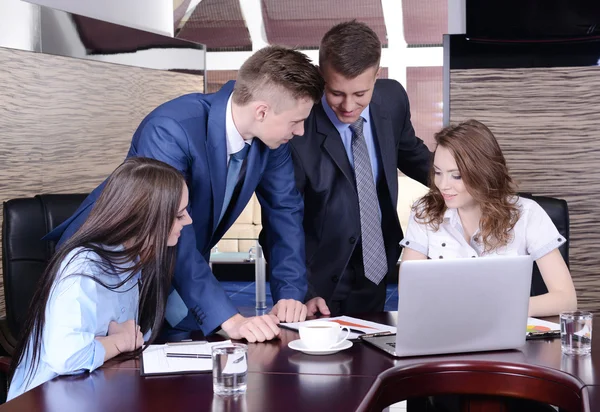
(356, 325)
(154, 360)
(541, 328)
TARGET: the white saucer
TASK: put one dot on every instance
(298, 345)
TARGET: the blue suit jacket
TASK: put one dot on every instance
(189, 134)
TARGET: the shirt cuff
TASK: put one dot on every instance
(548, 247)
(99, 354)
(411, 244)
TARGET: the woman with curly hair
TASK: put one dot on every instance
(472, 210)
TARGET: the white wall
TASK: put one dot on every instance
(149, 15)
(19, 25)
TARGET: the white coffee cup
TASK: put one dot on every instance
(322, 334)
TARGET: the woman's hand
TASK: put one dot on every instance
(121, 338)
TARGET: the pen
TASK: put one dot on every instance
(187, 342)
(543, 335)
(188, 355)
(372, 335)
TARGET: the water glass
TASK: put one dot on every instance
(230, 368)
(576, 332)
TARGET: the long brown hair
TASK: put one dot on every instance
(137, 208)
(483, 169)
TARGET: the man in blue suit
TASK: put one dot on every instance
(229, 145)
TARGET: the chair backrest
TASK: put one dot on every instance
(477, 378)
(558, 210)
(24, 253)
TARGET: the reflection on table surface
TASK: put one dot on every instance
(278, 375)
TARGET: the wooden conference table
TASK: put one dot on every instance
(281, 379)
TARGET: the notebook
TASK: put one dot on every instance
(460, 305)
(154, 360)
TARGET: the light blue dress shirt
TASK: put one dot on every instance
(346, 135)
(78, 310)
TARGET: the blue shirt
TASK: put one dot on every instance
(78, 310)
(346, 135)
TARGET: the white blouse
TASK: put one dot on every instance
(534, 234)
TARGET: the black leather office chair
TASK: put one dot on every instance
(25, 255)
(24, 258)
(558, 210)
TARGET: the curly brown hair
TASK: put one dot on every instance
(483, 169)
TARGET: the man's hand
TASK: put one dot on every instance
(289, 310)
(253, 329)
(317, 305)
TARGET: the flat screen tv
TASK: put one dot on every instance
(532, 19)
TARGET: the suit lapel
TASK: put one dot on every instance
(216, 149)
(383, 133)
(332, 143)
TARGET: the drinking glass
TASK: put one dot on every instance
(576, 332)
(230, 368)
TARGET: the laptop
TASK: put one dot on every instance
(460, 305)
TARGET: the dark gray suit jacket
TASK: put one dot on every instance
(325, 177)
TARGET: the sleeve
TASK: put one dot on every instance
(283, 212)
(69, 344)
(413, 157)
(196, 288)
(162, 138)
(416, 237)
(542, 236)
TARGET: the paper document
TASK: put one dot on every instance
(541, 329)
(154, 359)
(364, 326)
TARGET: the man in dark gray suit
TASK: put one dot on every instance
(346, 168)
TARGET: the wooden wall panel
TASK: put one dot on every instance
(548, 124)
(66, 123)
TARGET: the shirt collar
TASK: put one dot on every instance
(451, 217)
(235, 141)
(340, 126)
(121, 265)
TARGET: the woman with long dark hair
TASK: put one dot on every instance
(472, 210)
(107, 286)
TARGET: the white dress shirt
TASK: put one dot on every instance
(534, 234)
(78, 310)
(235, 141)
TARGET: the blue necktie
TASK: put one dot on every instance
(233, 172)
